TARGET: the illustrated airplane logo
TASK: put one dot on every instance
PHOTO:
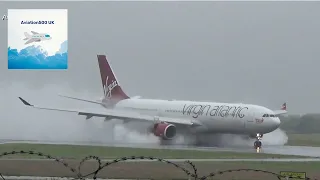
(36, 37)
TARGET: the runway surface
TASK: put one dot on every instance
(283, 150)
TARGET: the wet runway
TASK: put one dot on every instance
(284, 150)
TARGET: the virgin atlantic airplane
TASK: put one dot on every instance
(170, 117)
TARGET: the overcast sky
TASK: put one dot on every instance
(252, 52)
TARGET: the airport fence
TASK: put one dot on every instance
(191, 172)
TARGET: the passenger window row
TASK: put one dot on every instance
(173, 110)
(167, 110)
(268, 115)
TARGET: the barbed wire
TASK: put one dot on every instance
(101, 166)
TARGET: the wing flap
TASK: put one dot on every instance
(119, 114)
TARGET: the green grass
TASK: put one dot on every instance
(75, 151)
(304, 140)
(163, 171)
(305, 124)
(311, 169)
(273, 166)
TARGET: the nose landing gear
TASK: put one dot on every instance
(258, 144)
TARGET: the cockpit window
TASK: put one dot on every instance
(47, 35)
(271, 115)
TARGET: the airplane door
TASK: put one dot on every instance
(249, 122)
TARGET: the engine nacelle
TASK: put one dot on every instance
(165, 130)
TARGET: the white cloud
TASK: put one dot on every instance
(63, 47)
(58, 31)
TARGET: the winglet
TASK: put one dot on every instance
(25, 102)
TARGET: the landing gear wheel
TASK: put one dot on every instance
(257, 145)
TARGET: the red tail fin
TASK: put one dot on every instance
(111, 88)
(284, 106)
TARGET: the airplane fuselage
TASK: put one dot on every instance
(40, 37)
(213, 117)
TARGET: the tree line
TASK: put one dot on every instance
(302, 124)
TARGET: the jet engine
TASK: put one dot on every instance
(164, 130)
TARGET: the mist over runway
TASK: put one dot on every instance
(40, 126)
(19, 122)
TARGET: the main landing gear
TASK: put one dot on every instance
(258, 144)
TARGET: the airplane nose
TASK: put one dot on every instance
(276, 122)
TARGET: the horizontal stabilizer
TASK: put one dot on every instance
(283, 110)
(280, 112)
(28, 36)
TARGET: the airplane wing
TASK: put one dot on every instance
(33, 32)
(80, 99)
(91, 101)
(119, 114)
(30, 41)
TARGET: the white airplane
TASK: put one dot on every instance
(36, 37)
(170, 117)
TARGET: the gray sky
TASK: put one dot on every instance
(253, 52)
